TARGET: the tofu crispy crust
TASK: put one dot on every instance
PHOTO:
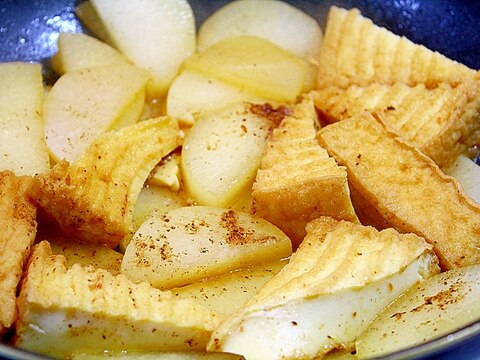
(329, 260)
(438, 121)
(298, 181)
(339, 262)
(66, 310)
(93, 198)
(356, 51)
(394, 185)
(17, 233)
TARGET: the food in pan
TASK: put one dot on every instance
(78, 308)
(340, 277)
(22, 145)
(357, 52)
(87, 102)
(442, 299)
(154, 35)
(18, 229)
(78, 51)
(394, 185)
(93, 198)
(297, 178)
(439, 121)
(192, 243)
(247, 172)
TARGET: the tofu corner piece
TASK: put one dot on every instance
(62, 311)
(94, 197)
(298, 181)
(441, 122)
(18, 228)
(394, 185)
(340, 277)
(356, 51)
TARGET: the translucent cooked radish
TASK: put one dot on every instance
(132, 113)
(435, 307)
(85, 103)
(467, 172)
(192, 95)
(22, 144)
(277, 21)
(155, 198)
(222, 153)
(155, 34)
(196, 242)
(89, 17)
(78, 51)
(100, 257)
(255, 65)
(225, 294)
(151, 198)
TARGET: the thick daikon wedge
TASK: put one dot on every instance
(192, 95)
(89, 17)
(100, 257)
(431, 309)
(82, 309)
(157, 35)
(155, 198)
(225, 294)
(132, 113)
(192, 243)
(78, 51)
(85, 103)
(22, 144)
(245, 202)
(152, 198)
(254, 64)
(277, 21)
(467, 172)
(222, 153)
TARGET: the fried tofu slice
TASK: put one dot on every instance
(340, 277)
(394, 185)
(93, 199)
(17, 233)
(298, 181)
(438, 121)
(82, 309)
(356, 51)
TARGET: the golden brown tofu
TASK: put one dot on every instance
(298, 181)
(62, 311)
(17, 233)
(438, 121)
(340, 277)
(356, 51)
(93, 199)
(394, 185)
